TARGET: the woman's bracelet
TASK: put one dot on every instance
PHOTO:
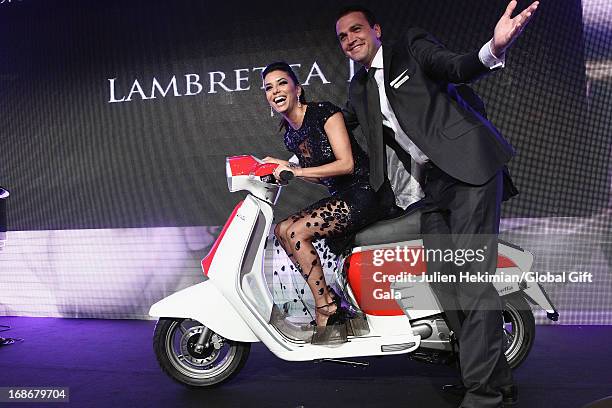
(294, 167)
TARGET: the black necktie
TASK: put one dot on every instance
(377, 148)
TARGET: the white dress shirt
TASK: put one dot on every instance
(405, 184)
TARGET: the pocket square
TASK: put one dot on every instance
(400, 79)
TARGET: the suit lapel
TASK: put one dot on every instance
(372, 108)
(375, 132)
(360, 77)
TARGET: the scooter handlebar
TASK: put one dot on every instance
(286, 175)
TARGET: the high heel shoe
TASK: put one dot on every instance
(337, 317)
(334, 330)
(342, 313)
(347, 310)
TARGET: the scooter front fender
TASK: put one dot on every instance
(205, 303)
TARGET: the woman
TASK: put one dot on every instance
(328, 154)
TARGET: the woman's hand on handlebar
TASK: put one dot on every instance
(269, 159)
(282, 167)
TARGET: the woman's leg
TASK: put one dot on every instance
(327, 218)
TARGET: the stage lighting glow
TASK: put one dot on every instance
(599, 69)
(597, 12)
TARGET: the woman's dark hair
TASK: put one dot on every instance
(283, 66)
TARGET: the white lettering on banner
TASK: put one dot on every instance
(315, 71)
(164, 92)
(240, 79)
(220, 82)
(192, 85)
(260, 69)
(136, 88)
(293, 67)
(112, 98)
(189, 83)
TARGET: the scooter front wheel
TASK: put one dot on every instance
(187, 359)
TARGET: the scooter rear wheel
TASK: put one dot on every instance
(177, 352)
(519, 329)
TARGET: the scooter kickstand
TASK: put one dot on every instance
(346, 362)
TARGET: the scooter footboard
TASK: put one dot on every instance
(205, 303)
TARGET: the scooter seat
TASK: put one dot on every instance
(406, 227)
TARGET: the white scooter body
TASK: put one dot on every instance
(235, 302)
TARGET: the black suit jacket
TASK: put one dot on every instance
(454, 136)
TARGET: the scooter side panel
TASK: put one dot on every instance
(203, 302)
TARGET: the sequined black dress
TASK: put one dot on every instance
(352, 204)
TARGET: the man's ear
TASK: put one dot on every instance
(377, 30)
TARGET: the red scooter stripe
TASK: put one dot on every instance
(245, 165)
(242, 165)
(505, 262)
(360, 272)
(265, 169)
(211, 254)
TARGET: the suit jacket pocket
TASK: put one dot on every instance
(460, 128)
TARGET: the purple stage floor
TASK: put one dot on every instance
(110, 363)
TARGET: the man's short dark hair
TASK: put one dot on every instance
(359, 9)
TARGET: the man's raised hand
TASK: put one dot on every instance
(508, 29)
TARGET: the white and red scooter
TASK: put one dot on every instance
(204, 332)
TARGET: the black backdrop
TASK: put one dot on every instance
(73, 158)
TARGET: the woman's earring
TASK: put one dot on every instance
(299, 103)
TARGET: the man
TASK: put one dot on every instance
(405, 103)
